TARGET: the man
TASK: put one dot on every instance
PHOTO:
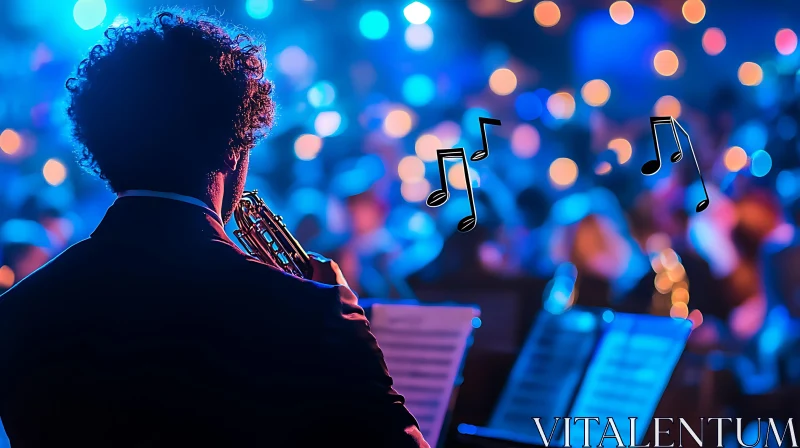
(157, 331)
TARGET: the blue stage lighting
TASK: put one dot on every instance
(418, 90)
(417, 13)
(89, 14)
(374, 25)
(259, 9)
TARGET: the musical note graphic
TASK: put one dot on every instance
(439, 197)
(653, 166)
(484, 153)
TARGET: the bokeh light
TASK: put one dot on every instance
(419, 37)
(6, 277)
(667, 106)
(596, 92)
(503, 81)
(621, 12)
(679, 310)
(525, 141)
(10, 141)
(561, 105)
(602, 168)
(416, 191)
(321, 94)
(327, 123)
(750, 74)
(457, 177)
(417, 13)
(786, 41)
(374, 25)
(563, 172)
(426, 147)
(418, 90)
(760, 163)
(696, 316)
(547, 13)
(54, 172)
(411, 169)
(307, 146)
(528, 106)
(666, 63)
(714, 41)
(293, 61)
(259, 9)
(693, 11)
(735, 158)
(623, 149)
(397, 124)
(89, 14)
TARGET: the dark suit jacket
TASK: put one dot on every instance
(157, 331)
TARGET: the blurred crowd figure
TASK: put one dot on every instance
(738, 261)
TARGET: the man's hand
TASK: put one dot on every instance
(326, 270)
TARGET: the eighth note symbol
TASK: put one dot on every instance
(440, 196)
(653, 166)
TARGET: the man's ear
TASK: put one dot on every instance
(232, 160)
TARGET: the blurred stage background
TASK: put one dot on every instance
(368, 90)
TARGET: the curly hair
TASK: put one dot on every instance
(162, 101)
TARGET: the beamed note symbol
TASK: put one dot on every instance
(439, 197)
(653, 166)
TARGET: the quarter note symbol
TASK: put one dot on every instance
(440, 196)
(653, 166)
(484, 153)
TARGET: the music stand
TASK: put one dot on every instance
(424, 347)
(587, 362)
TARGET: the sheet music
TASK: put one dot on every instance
(547, 373)
(628, 374)
(424, 347)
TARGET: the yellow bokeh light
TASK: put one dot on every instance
(662, 283)
(503, 81)
(693, 11)
(735, 159)
(561, 105)
(602, 168)
(411, 169)
(397, 124)
(666, 63)
(415, 191)
(426, 147)
(596, 92)
(750, 74)
(307, 146)
(667, 106)
(679, 310)
(621, 12)
(54, 172)
(547, 14)
(677, 273)
(623, 149)
(10, 141)
(6, 277)
(563, 172)
(680, 295)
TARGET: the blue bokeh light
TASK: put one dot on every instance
(374, 25)
(528, 106)
(89, 14)
(417, 13)
(470, 123)
(418, 90)
(760, 163)
(259, 9)
(321, 94)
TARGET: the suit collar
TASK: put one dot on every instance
(158, 218)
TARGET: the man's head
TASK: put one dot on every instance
(172, 103)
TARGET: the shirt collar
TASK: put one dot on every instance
(173, 196)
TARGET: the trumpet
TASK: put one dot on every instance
(265, 236)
